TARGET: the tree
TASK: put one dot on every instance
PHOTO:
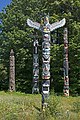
(17, 35)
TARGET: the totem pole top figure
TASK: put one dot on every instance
(45, 26)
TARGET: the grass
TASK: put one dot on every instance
(20, 106)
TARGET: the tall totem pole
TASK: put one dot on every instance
(35, 88)
(66, 66)
(45, 27)
(12, 71)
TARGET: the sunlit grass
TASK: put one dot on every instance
(21, 106)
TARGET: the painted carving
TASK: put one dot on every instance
(12, 71)
(66, 66)
(45, 27)
(35, 88)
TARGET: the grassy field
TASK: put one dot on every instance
(20, 106)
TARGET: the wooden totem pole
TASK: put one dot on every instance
(35, 88)
(12, 72)
(45, 27)
(66, 65)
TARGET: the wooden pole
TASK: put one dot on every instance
(66, 66)
(12, 72)
(45, 27)
(35, 88)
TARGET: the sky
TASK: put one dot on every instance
(4, 3)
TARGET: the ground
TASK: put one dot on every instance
(20, 106)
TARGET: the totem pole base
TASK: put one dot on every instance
(66, 92)
(35, 89)
(44, 105)
(44, 101)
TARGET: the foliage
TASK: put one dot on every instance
(14, 33)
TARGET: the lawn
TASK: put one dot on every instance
(20, 106)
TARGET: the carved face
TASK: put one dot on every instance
(46, 68)
(35, 59)
(35, 78)
(46, 20)
(36, 71)
(46, 37)
(46, 45)
(46, 57)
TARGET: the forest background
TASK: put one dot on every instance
(16, 35)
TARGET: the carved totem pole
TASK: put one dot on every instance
(35, 88)
(45, 27)
(12, 72)
(66, 66)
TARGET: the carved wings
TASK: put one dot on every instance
(57, 24)
(33, 24)
(51, 26)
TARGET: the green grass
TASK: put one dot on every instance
(20, 106)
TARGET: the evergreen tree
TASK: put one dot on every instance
(15, 34)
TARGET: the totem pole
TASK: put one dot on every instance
(66, 66)
(45, 27)
(35, 88)
(12, 72)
